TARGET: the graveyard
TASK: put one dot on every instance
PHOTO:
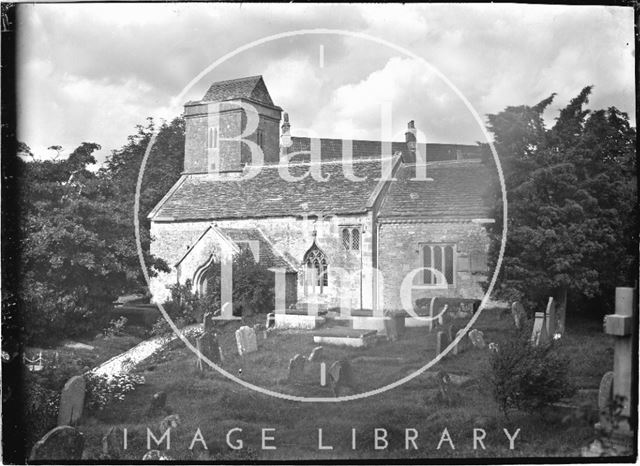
(438, 414)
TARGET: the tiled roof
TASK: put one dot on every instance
(456, 192)
(200, 197)
(267, 256)
(252, 88)
(331, 149)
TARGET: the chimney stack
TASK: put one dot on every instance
(285, 134)
(409, 156)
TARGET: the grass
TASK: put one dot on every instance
(215, 404)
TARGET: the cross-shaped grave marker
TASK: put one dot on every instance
(620, 325)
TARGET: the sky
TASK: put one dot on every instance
(92, 72)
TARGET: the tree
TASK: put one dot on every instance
(572, 218)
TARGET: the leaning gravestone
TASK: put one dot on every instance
(60, 443)
(605, 393)
(539, 334)
(518, 314)
(113, 443)
(341, 376)
(317, 354)
(71, 401)
(296, 368)
(550, 319)
(477, 338)
(208, 347)
(246, 340)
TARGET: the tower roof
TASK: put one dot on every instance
(252, 88)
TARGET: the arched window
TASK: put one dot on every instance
(315, 262)
(351, 238)
(438, 257)
(346, 238)
(355, 239)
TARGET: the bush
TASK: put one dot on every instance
(528, 377)
(40, 410)
(116, 327)
(103, 391)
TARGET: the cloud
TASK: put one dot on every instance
(93, 71)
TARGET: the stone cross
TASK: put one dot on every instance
(246, 340)
(71, 401)
(517, 311)
(621, 325)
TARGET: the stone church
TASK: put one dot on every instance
(340, 222)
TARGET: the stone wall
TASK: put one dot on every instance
(231, 121)
(292, 237)
(399, 254)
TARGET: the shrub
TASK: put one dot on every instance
(528, 377)
(116, 327)
(40, 410)
(103, 390)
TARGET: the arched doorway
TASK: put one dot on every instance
(316, 277)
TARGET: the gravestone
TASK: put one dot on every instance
(394, 325)
(450, 333)
(441, 342)
(518, 314)
(208, 347)
(60, 443)
(296, 368)
(539, 333)
(156, 455)
(441, 314)
(113, 443)
(157, 404)
(208, 322)
(550, 319)
(444, 385)
(605, 392)
(72, 401)
(432, 310)
(462, 344)
(341, 376)
(261, 333)
(271, 320)
(477, 338)
(246, 340)
(620, 325)
(317, 354)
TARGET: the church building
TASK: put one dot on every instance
(340, 222)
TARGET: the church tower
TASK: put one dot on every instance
(217, 125)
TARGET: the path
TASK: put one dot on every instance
(124, 362)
